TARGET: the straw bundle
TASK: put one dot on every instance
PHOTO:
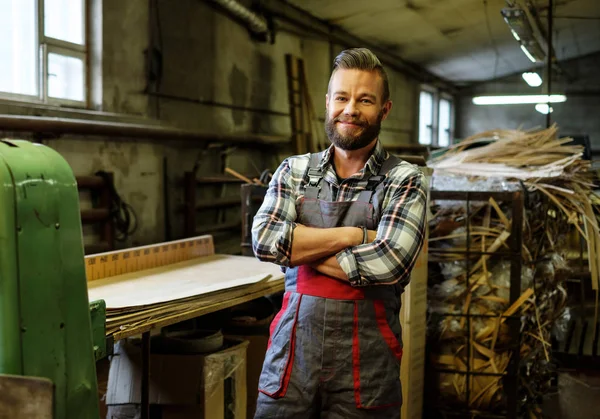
(482, 344)
(542, 162)
(558, 186)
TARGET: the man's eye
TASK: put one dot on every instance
(339, 99)
(367, 101)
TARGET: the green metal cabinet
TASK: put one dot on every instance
(45, 326)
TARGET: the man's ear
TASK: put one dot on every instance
(387, 107)
(327, 101)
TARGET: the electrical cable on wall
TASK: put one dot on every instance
(123, 214)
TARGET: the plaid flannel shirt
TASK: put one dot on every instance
(400, 234)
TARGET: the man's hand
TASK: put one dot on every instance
(371, 235)
(330, 266)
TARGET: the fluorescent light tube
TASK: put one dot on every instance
(532, 79)
(515, 34)
(543, 108)
(518, 99)
(528, 54)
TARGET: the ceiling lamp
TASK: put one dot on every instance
(516, 19)
(518, 99)
(543, 108)
(528, 54)
(521, 29)
(533, 79)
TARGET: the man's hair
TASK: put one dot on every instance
(362, 59)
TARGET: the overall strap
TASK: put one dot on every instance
(315, 176)
(374, 181)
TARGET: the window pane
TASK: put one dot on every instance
(444, 123)
(65, 77)
(18, 47)
(425, 118)
(63, 19)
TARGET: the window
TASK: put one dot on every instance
(426, 118)
(43, 51)
(435, 118)
(445, 123)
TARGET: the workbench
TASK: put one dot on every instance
(135, 291)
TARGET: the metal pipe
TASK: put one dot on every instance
(48, 125)
(254, 22)
(217, 104)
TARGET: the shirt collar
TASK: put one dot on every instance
(378, 156)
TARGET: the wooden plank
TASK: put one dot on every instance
(223, 302)
(296, 103)
(109, 264)
(26, 397)
(182, 280)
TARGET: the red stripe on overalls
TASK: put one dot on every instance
(386, 330)
(312, 282)
(275, 322)
(356, 357)
(391, 341)
(285, 379)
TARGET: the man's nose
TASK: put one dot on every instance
(351, 108)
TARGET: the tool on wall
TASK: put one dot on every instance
(123, 214)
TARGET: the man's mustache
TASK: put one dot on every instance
(350, 121)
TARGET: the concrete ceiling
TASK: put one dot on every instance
(460, 40)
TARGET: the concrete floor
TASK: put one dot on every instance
(578, 396)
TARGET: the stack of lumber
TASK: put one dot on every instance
(557, 189)
(148, 298)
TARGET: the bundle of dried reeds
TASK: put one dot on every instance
(480, 286)
(558, 189)
(544, 163)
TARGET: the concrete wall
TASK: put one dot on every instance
(209, 60)
(578, 115)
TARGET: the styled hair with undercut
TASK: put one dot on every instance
(362, 59)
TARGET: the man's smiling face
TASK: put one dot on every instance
(355, 108)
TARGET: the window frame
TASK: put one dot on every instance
(450, 99)
(437, 97)
(47, 45)
(432, 92)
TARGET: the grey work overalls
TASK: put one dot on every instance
(334, 350)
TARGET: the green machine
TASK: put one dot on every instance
(45, 326)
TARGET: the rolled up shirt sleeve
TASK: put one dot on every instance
(273, 225)
(400, 235)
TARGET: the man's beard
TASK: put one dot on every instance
(352, 142)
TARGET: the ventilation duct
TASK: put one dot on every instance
(256, 24)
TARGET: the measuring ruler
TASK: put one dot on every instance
(105, 265)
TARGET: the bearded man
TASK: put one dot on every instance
(346, 225)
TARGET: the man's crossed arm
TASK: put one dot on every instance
(317, 247)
